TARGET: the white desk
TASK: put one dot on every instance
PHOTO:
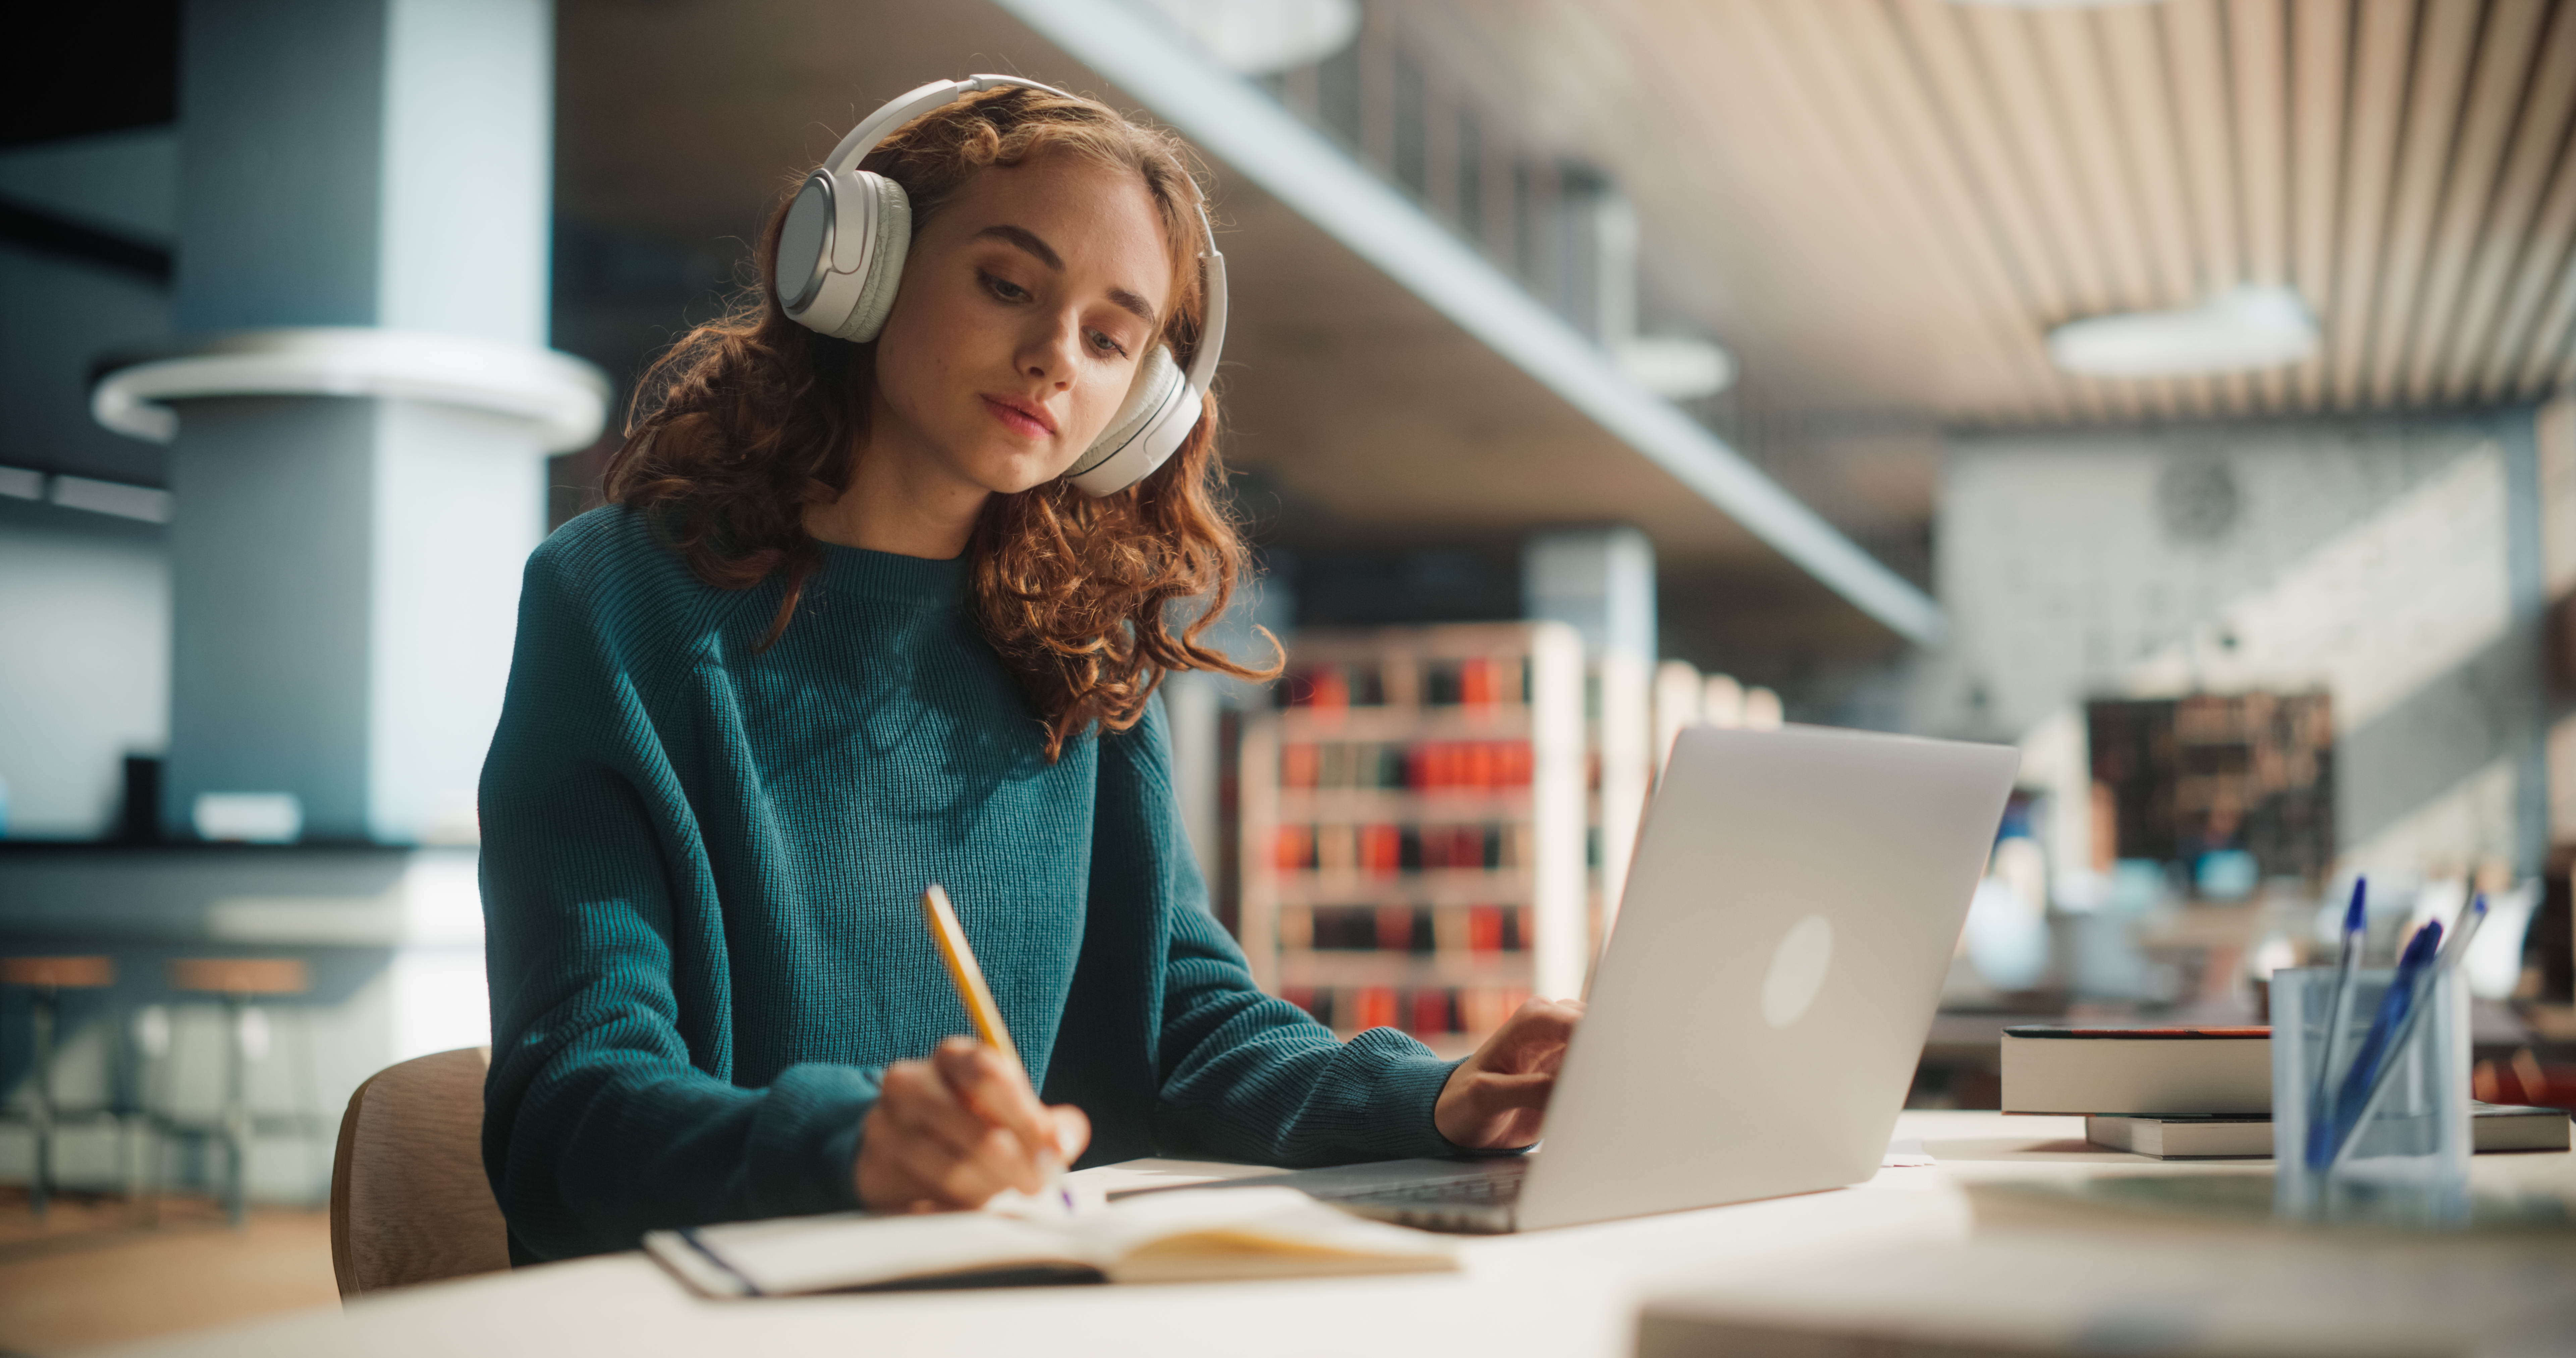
(1570, 1293)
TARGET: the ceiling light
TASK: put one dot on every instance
(2051, 4)
(2236, 331)
(1262, 37)
(1675, 367)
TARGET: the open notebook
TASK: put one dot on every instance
(1180, 1236)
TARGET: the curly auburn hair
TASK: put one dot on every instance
(748, 420)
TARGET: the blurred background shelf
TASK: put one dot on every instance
(1491, 721)
(1307, 967)
(1402, 805)
(1452, 887)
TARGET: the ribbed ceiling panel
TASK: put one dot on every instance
(1889, 203)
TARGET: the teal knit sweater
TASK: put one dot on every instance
(702, 864)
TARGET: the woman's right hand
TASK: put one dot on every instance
(950, 1132)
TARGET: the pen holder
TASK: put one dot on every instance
(2406, 1157)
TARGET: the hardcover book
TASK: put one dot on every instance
(2492, 1127)
(2158, 1071)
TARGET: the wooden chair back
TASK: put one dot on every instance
(242, 975)
(58, 973)
(409, 1203)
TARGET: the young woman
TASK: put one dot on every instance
(846, 630)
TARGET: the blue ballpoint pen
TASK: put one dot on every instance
(2450, 957)
(2361, 1083)
(2356, 928)
(2457, 950)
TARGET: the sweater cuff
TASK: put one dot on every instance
(1408, 1091)
(817, 1110)
(1414, 1083)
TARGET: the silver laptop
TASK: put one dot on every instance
(1756, 1018)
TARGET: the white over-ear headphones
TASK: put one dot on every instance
(840, 255)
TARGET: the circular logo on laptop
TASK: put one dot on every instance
(1798, 969)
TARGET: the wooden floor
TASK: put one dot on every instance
(99, 1270)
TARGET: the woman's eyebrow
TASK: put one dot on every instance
(1027, 240)
(1144, 310)
(1045, 254)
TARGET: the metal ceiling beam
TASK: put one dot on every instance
(1234, 121)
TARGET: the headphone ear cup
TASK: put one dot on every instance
(1155, 422)
(883, 271)
(1146, 398)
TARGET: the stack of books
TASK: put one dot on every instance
(2186, 1093)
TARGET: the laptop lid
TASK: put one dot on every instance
(1757, 1016)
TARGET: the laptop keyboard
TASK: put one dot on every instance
(1500, 1189)
(1435, 1197)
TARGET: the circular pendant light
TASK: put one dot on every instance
(2240, 330)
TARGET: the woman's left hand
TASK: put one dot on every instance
(1497, 1098)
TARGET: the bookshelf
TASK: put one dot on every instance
(1415, 813)
(2251, 771)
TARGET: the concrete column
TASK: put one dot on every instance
(1196, 703)
(1195, 706)
(2554, 464)
(2526, 532)
(1601, 581)
(346, 565)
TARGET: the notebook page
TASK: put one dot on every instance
(819, 1254)
(1224, 1232)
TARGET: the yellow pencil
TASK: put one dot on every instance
(966, 973)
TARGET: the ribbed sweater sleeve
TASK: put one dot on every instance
(1242, 1075)
(610, 1107)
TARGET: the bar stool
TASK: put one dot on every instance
(48, 977)
(240, 980)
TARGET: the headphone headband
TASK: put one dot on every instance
(1212, 316)
(841, 255)
(921, 99)
(911, 104)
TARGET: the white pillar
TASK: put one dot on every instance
(1627, 751)
(1561, 956)
(364, 216)
(1721, 702)
(1677, 704)
(1601, 583)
